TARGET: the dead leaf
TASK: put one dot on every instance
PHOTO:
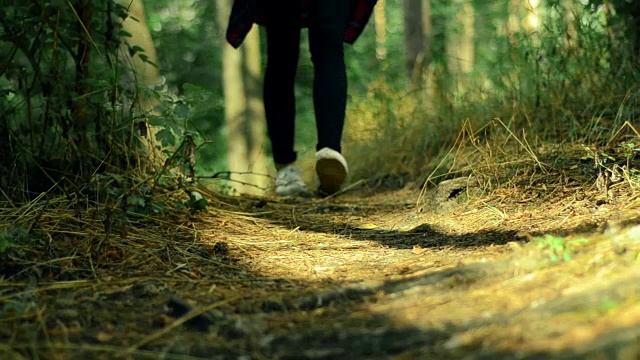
(419, 250)
(104, 337)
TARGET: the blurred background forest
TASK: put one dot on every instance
(97, 87)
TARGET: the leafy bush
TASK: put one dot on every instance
(12, 236)
(66, 111)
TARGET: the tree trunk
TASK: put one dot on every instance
(461, 42)
(532, 20)
(439, 85)
(417, 25)
(623, 26)
(427, 53)
(78, 135)
(571, 9)
(427, 30)
(244, 136)
(514, 18)
(144, 73)
(255, 118)
(380, 20)
(632, 9)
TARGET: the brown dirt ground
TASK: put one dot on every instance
(361, 275)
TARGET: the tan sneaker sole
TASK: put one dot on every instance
(331, 171)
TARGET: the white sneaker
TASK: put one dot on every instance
(332, 170)
(289, 182)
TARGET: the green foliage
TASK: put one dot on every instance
(130, 198)
(572, 79)
(627, 14)
(67, 110)
(629, 150)
(616, 170)
(600, 157)
(188, 43)
(67, 102)
(12, 236)
(558, 248)
(71, 109)
(16, 307)
(175, 117)
(196, 202)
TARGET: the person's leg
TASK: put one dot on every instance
(283, 48)
(327, 23)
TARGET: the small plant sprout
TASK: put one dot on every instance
(558, 248)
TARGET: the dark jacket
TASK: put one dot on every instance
(247, 12)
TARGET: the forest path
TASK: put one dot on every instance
(360, 276)
(368, 276)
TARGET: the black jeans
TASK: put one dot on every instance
(327, 21)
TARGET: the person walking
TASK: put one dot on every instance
(330, 24)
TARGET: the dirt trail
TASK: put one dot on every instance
(359, 276)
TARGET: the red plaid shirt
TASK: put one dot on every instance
(247, 12)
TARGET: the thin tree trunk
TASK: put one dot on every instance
(426, 57)
(380, 20)
(145, 73)
(571, 8)
(235, 105)
(439, 85)
(533, 17)
(416, 40)
(427, 29)
(514, 18)
(634, 31)
(78, 134)
(461, 43)
(255, 117)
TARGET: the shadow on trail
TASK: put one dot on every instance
(336, 334)
(331, 331)
(320, 219)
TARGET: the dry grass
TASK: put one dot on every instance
(539, 91)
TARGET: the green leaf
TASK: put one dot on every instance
(11, 236)
(133, 50)
(5, 243)
(145, 59)
(158, 208)
(136, 201)
(166, 137)
(157, 120)
(197, 201)
(16, 307)
(199, 205)
(181, 111)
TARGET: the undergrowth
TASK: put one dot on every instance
(75, 123)
(570, 82)
(558, 248)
